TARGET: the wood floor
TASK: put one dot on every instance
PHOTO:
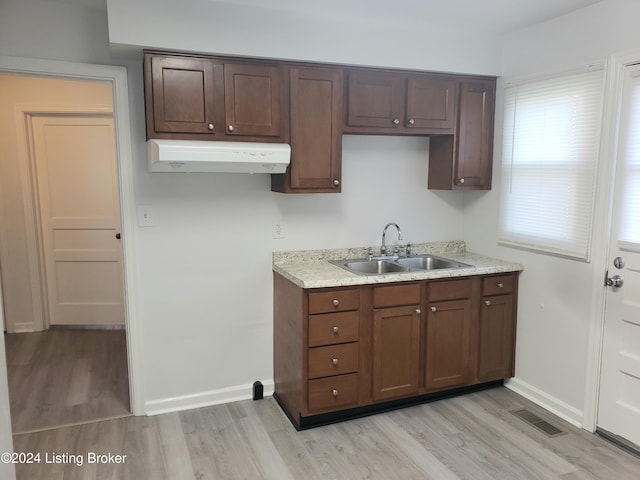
(64, 376)
(472, 437)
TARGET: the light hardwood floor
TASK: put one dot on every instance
(62, 376)
(471, 437)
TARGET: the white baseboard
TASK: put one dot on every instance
(206, 399)
(546, 401)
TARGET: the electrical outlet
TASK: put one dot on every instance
(145, 216)
(278, 230)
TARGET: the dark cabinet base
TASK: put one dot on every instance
(304, 423)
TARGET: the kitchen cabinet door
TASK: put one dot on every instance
(496, 338)
(448, 344)
(463, 161)
(180, 96)
(375, 99)
(253, 100)
(430, 103)
(315, 131)
(396, 352)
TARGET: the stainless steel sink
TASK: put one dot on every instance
(394, 264)
(373, 267)
(429, 262)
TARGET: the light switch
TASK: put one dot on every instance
(145, 216)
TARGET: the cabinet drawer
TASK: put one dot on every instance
(395, 295)
(497, 285)
(333, 360)
(332, 328)
(333, 393)
(449, 290)
(334, 301)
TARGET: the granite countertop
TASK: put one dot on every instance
(311, 268)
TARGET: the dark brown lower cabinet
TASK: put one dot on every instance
(448, 344)
(345, 351)
(496, 342)
(396, 352)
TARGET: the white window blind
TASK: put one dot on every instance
(551, 136)
(630, 160)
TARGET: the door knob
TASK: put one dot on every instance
(616, 281)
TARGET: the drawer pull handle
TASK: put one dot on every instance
(210, 127)
(336, 302)
(418, 311)
(433, 309)
(500, 285)
(334, 362)
(487, 303)
(335, 329)
(334, 392)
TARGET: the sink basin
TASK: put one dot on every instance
(429, 262)
(373, 267)
(377, 266)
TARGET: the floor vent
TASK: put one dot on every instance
(542, 425)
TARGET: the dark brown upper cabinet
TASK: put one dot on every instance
(315, 118)
(310, 106)
(399, 103)
(253, 100)
(180, 95)
(189, 97)
(463, 161)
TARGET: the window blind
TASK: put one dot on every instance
(550, 144)
(629, 158)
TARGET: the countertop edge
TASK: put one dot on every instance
(316, 273)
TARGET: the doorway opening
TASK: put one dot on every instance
(62, 272)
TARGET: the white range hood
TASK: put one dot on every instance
(185, 156)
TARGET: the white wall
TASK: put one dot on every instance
(555, 304)
(330, 31)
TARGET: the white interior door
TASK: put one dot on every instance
(77, 190)
(619, 400)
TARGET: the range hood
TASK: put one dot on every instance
(184, 156)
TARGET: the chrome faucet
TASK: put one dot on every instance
(383, 248)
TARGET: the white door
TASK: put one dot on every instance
(619, 400)
(77, 189)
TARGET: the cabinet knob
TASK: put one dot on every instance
(210, 127)
(433, 309)
(487, 303)
(334, 392)
(461, 181)
(336, 182)
(500, 285)
(230, 128)
(335, 329)
(418, 311)
(412, 121)
(334, 362)
(396, 121)
(336, 302)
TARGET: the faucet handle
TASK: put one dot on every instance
(408, 250)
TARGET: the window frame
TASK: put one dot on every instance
(513, 236)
